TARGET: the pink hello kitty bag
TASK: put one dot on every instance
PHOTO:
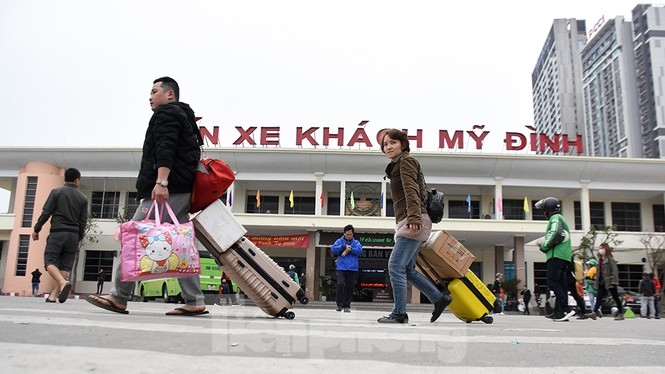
(152, 249)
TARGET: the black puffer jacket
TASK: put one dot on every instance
(171, 141)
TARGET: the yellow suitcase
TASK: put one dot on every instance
(472, 300)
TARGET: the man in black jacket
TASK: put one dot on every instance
(171, 152)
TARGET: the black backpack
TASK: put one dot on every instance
(434, 205)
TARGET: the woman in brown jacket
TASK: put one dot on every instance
(413, 227)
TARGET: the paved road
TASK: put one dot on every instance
(76, 337)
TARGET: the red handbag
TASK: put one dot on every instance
(213, 178)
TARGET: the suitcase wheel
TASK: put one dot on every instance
(487, 319)
(304, 300)
(289, 315)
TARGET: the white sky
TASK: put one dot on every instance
(78, 73)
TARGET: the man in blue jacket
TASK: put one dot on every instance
(347, 249)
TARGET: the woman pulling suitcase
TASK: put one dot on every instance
(413, 228)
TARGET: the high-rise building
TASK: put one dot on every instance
(610, 92)
(649, 49)
(556, 81)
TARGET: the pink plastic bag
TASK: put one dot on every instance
(152, 249)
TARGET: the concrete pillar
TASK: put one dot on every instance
(312, 271)
(498, 203)
(518, 259)
(585, 209)
(317, 193)
(342, 198)
(498, 259)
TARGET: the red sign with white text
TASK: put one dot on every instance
(286, 241)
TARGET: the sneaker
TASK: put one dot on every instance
(439, 307)
(339, 309)
(560, 318)
(619, 317)
(648, 317)
(219, 305)
(582, 316)
(591, 315)
(657, 317)
(404, 318)
(599, 314)
(502, 313)
(347, 310)
(550, 316)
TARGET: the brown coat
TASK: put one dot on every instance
(406, 186)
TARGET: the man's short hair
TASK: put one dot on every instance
(349, 227)
(72, 175)
(171, 84)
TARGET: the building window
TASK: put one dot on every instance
(131, 204)
(95, 260)
(537, 214)
(630, 276)
(29, 205)
(597, 212)
(333, 205)
(22, 258)
(540, 278)
(513, 209)
(626, 216)
(269, 205)
(105, 204)
(301, 205)
(460, 209)
(659, 218)
(390, 209)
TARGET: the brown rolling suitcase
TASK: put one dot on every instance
(255, 273)
(261, 279)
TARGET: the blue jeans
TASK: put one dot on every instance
(500, 300)
(402, 269)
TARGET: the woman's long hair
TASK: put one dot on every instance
(607, 248)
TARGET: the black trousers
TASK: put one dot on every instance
(346, 282)
(557, 281)
(602, 292)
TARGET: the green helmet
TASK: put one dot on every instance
(592, 262)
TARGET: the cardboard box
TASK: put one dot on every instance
(442, 256)
(216, 227)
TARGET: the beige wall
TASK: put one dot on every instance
(49, 177)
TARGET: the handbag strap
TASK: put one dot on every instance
(157, 209)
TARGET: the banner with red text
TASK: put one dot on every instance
(288, 241)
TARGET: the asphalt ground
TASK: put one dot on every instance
(76, 337)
